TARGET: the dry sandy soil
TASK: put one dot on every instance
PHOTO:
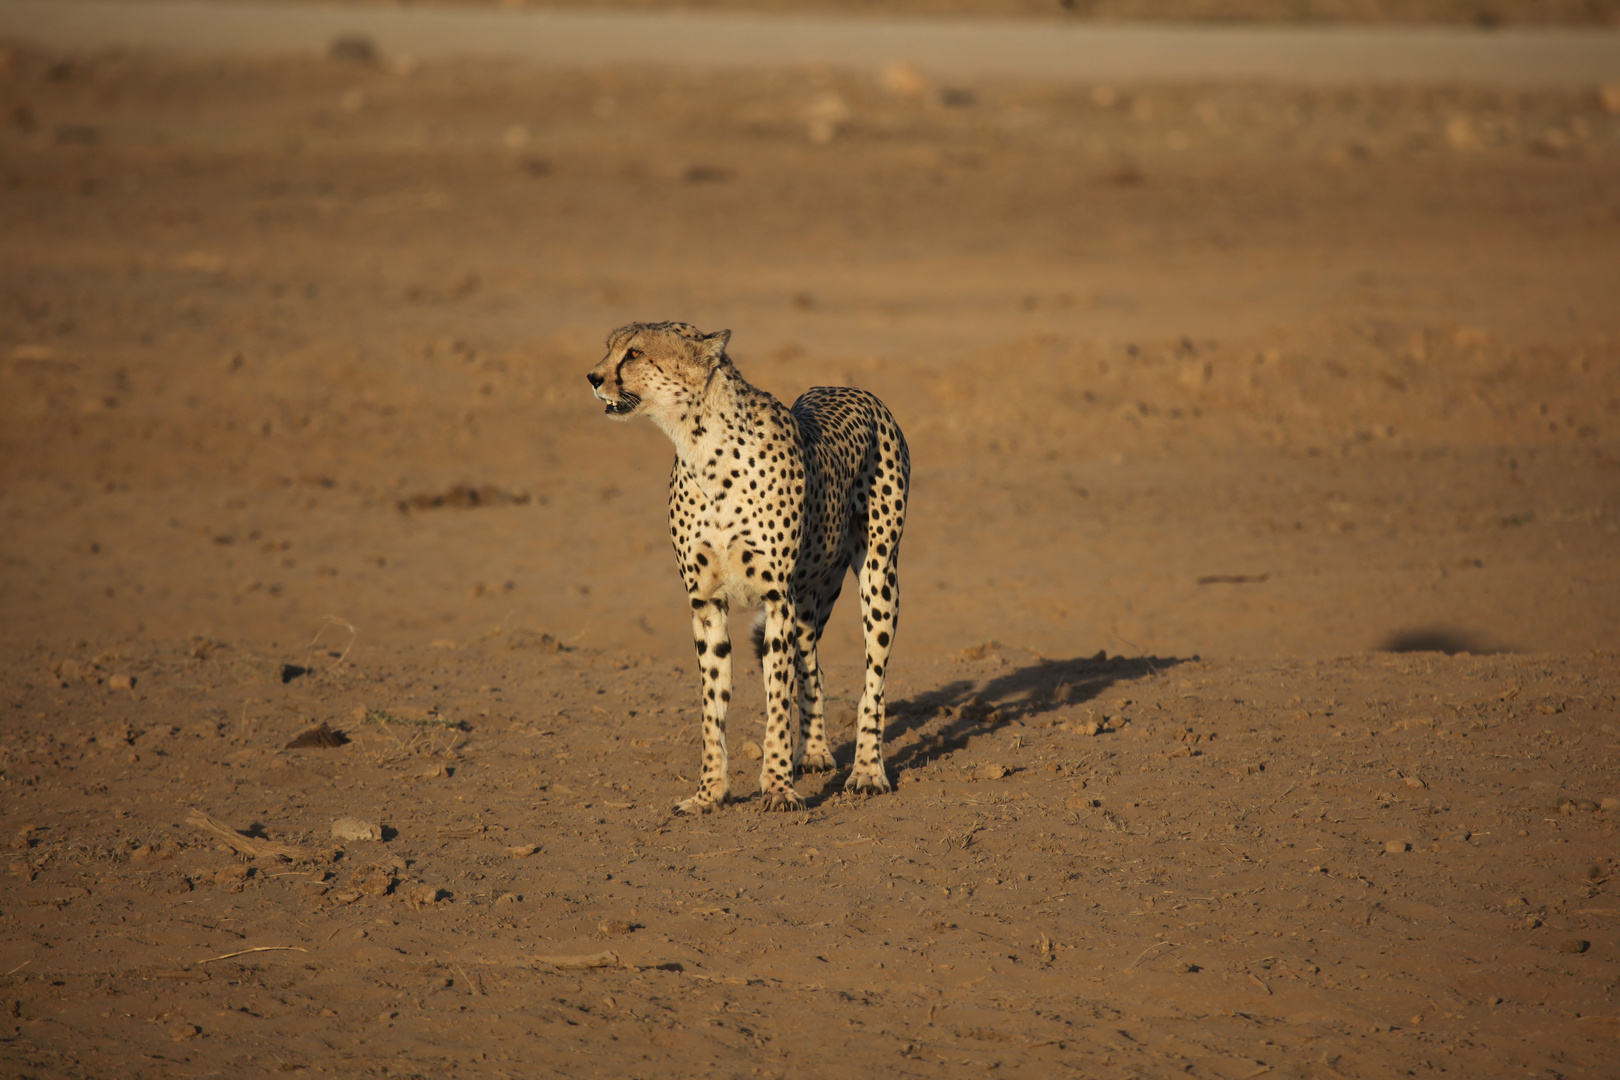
(1255, 702)
(1486, 14)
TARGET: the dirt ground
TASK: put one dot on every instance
(1254, 707)
(1486, 14)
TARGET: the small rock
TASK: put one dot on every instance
(233, 876)
(420, 896)
(1460, 134)
(825, 116)
(346, 896)
(611, 927)
(312, 890)
(181, 1032)
(1415, 782)
(995, 772)
(1460, 836)
(1609, 97)
(1574, 945)
(121, 682)
(1611, 803)
(522, 851)
(430, 772)
(508, 898)
(903, 80)
(354, 49)
(354, 829)
(1395, 847)
(321, 736)
(373, 881)
(750, 750)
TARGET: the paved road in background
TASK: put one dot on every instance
(953, 48)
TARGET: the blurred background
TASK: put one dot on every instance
(294, 324)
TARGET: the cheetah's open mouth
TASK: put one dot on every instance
(624, 405)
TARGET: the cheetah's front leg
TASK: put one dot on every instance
(781, 666)
(712, 639)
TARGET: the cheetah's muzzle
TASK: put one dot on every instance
(624, 405)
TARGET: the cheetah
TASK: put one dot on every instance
(767, 507)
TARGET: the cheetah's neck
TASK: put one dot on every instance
(702, 424)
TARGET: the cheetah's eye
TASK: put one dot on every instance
(632, 354)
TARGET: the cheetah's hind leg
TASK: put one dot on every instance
(812, 754)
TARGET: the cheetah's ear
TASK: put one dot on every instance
(714, 345)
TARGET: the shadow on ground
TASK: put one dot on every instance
(1439, 639)
(965, 708)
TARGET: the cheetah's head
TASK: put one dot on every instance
(655, 368)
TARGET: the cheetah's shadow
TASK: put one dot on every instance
(944, 719)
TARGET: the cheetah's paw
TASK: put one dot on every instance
(817, 761)
(868, 783)
(701, 804)
(788, 800)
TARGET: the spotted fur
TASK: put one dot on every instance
(767, 508)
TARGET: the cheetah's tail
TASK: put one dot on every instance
(758, 635)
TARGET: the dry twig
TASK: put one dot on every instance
(256, 948)
(246, 845)
(1150, 948)
(608, 958)
(331, 621)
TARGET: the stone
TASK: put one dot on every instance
(354, 829)
(374, 881)
(419, 896)
(903, 80)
